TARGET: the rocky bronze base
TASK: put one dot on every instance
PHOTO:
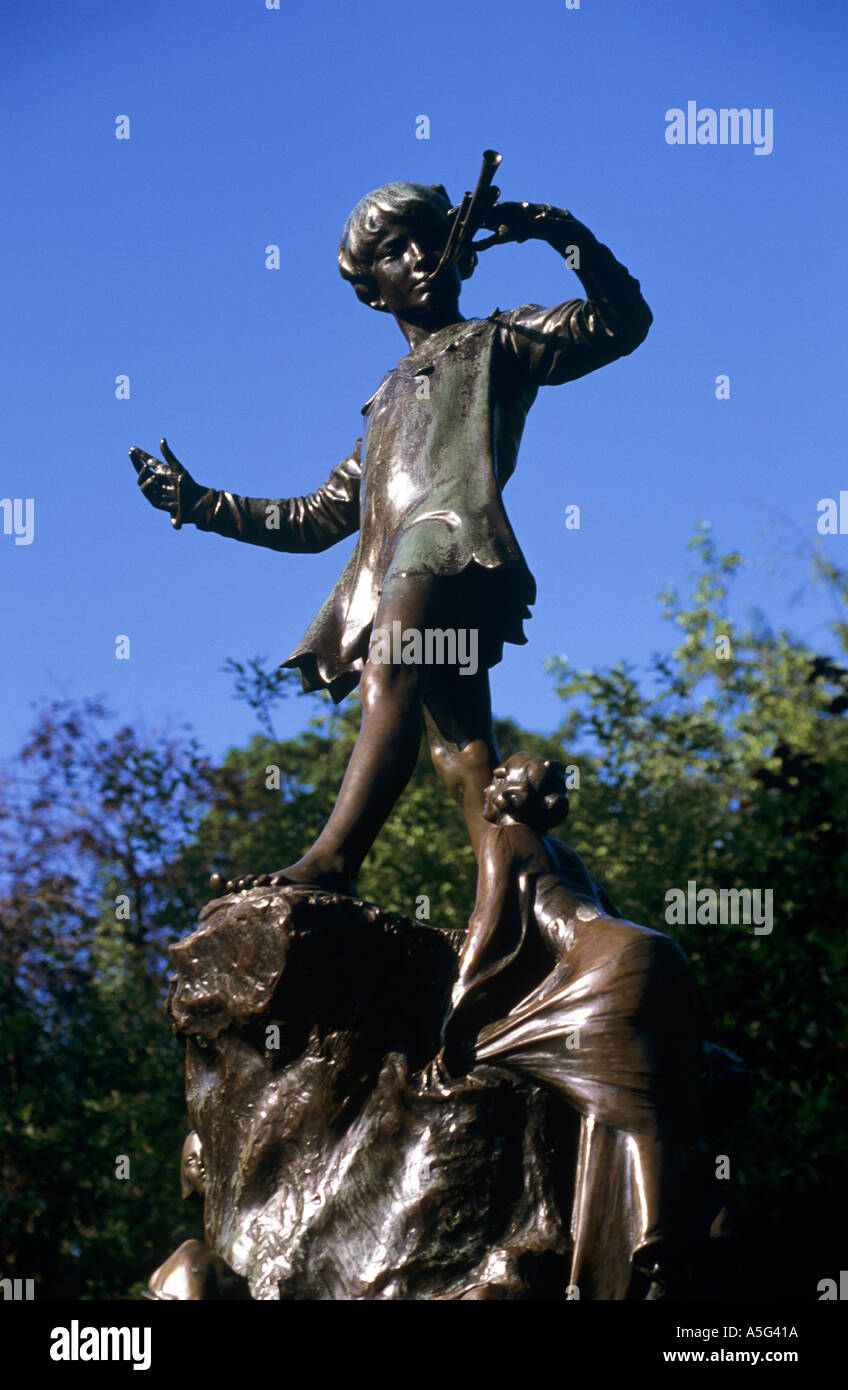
(335, 1162)
(333, 1168)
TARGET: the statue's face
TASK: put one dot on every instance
(507, 792)
(406, 250)
(514, 788)
(193, 1168)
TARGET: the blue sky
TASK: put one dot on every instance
(249, 127)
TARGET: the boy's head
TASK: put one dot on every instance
(529, 789)
(374, 248)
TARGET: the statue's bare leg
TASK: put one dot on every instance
(387, 747)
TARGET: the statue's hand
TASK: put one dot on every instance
(449, 1069)
(436, 1078)
(161, 482)
(514, 222)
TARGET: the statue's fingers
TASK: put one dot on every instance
(140, 460)
(154, 468)
(486, 242)
(160, 495)
(155, 485)
(167, 455)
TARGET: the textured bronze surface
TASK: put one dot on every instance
(333, 1169)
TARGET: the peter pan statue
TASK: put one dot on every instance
(436, 558)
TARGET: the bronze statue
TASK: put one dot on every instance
(361, 1131)
(553, 982)
(423, 486)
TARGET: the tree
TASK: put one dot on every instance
(93, 889)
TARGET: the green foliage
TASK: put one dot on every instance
(92, 892)
(725, 764)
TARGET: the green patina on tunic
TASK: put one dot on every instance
(423, 485)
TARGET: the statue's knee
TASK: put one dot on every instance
(382, 681)
(444, 762)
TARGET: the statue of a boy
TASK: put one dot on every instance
(436, 554)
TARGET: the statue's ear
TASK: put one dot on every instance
(467, 264)
(516, 798)
(440, 188)
(556, 806)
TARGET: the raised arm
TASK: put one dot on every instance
(299, 524)
(547, 347)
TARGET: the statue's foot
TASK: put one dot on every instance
(306, 873)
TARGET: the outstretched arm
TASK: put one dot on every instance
(546, 347)
(309, 523)
(495, 931)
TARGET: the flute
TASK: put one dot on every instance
(469, 216)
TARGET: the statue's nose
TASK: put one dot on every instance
(421, 257)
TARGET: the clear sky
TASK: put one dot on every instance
(251, 126)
